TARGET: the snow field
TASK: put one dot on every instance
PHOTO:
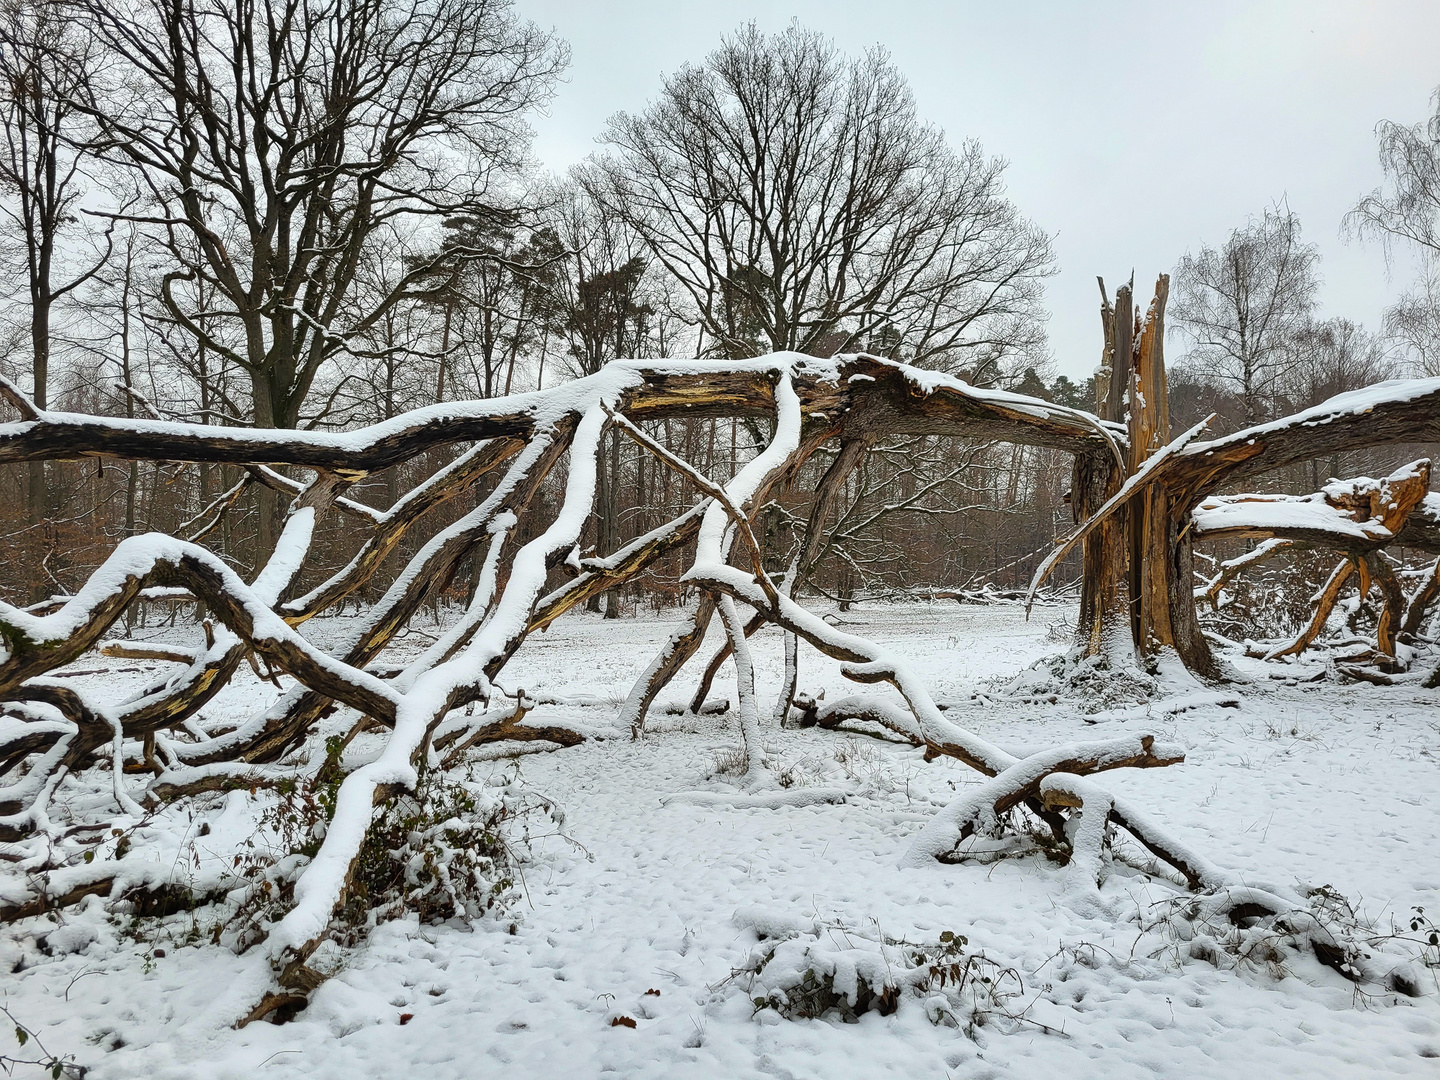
(1314, 783)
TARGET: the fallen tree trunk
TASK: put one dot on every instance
(418, 710)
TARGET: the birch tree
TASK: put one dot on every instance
(1406, 211)
(1241, 306)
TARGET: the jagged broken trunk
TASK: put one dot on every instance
(1135, 594)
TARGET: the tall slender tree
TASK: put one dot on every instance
(45, 64)
(1406, 211)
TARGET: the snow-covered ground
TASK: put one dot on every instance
(1302, 783)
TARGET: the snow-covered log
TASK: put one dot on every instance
(1360, 514)
(979, 809)
(1399, 411)
(898, 399)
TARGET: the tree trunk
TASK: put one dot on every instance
(1187, 637)
(1104, 623)
(611, 517)
(1150, 536)
(39, 504)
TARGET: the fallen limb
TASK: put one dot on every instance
(1325, 601)
(1232, 568)
(979, 810)
(128, 650)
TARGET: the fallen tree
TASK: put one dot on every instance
(1356, 518)
(1134, 511)
(54, 730)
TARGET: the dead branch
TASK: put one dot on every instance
(1233, 568)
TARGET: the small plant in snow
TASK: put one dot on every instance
(443, 852)
(50, 1065)
(837, 972)
(1427, 935)
(867, 762)
(731, 761)
(1240, 936)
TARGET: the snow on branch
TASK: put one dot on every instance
(1358, 514)
(1399, 411)
(642, 389)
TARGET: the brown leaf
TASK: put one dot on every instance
(405, 1018)
(622, 1021)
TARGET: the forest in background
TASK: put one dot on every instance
(318, 214)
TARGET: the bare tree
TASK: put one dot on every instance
(1243, 304)
(1334, 357)
(1414, 322)
(603, 293)
(802, 204)
(275, 138)
(1407, 210)
(601, 309)
(44, 63)
(495, 294)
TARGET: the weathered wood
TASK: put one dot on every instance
(673, 657)
(150, 650)
(1410, 414)
(1085, 764)
(1421, 600)
(1104, 591)
(1116, 505)
(1149, 398)
(1325, 604)
(885, 399)
(1392, 608)
(1151, 540)
(1122, 334)
(717, 661)
(1094, 480)
(281, 731)
(391, 529)
(1365, 516)
(1186, 635)
(1106, 370)
(1422, 528)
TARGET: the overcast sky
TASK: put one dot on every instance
(1134, 131)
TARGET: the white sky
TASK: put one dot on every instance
(1134, 131)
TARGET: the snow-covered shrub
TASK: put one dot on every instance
(808, 970)
(449, 849)
(1233, 936)
(1096, 681)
